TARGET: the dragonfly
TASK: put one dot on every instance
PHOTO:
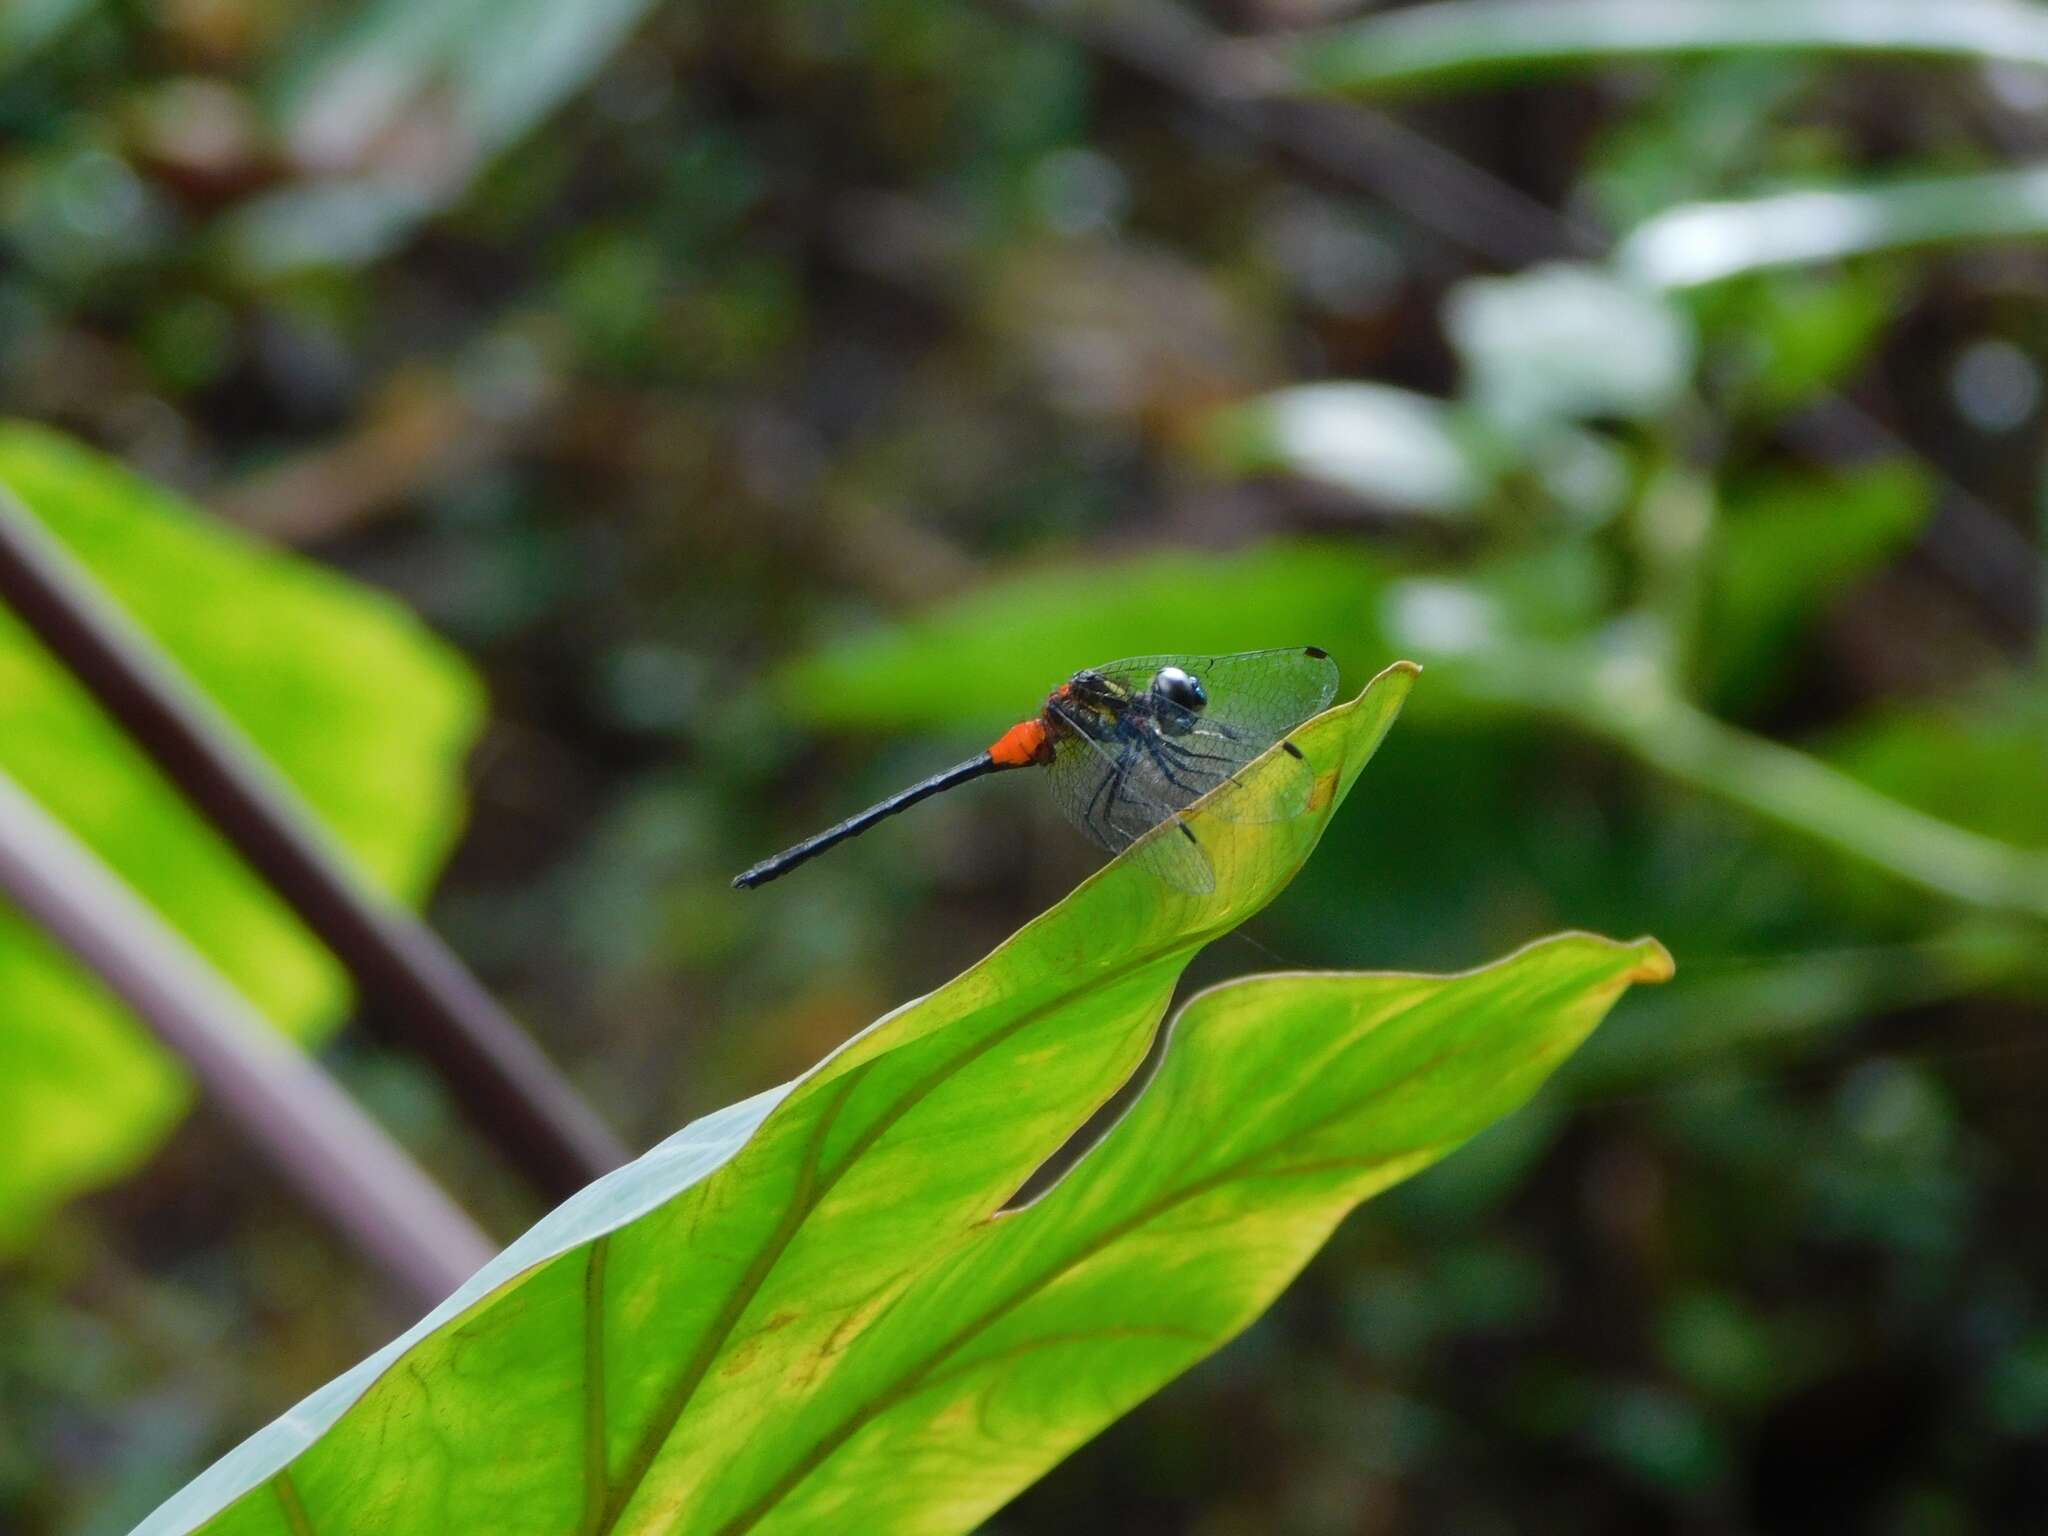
(1130, 745)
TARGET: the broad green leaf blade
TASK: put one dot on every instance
(773, 1229)
(1282, 1102)
(1810, 331)
(1978, 760)
(361, 710)
(1701, 243)
(984, 659)
(1458, 43)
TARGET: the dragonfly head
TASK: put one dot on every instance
(1181, 689)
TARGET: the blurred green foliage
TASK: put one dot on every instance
(793, 398)
(364, 715)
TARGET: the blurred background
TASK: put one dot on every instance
(767, 401)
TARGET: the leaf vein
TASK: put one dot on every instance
(596, 1475)
(917, 1379)
(286, 1492)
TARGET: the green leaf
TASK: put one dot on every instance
(1710, 242)
(1391, 447)
(1458, 43)
(1790, 336)
(27, 26)
(360, 709)
(978, 661)
(1698, 133)
(1979, 761)
(1563, 342)
(1783, 549)
(805, 1313)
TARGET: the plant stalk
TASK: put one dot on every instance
(431, 1003)
(290, 1111)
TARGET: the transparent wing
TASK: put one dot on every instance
(1255, 699)
(1254, 696)
(1127, 768)
(1150, 773)
(1100, 786)
(1174, 853)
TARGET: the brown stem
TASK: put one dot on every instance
(431, 1003)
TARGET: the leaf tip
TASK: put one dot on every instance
(1653, 963)
(1396, 678)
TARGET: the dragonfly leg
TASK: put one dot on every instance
(1186, 763)
(1166, 772)
(1111, 786)
(1186, 754)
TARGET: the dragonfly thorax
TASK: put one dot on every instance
(1089, 701)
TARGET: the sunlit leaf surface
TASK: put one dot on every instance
(400, 103)
(499, 67)
(363, 712)
(803, 1313)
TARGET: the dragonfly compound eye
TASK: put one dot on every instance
(1179, 688)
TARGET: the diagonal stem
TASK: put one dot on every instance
(435, 1006)
(275, 1095)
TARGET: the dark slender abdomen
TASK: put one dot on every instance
(853, 826)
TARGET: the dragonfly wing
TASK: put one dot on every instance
(1254, 699)
(1173, 851)
(1124, 774)
(1104, 788)
(1258, 695)
(1286, 785)
(1181, 762)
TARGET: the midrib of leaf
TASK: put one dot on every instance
(595, 1477)
(286, 1492)
(804, 1201)
(809, 1192)
(920, 1377)
(1068, 1336)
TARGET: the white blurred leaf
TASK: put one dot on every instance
(1707, 242)
(1457, 44)
(402, 103)
(1389, 446)
(1562, 343)
(497, 67)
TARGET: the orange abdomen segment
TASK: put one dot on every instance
(1022, 745)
